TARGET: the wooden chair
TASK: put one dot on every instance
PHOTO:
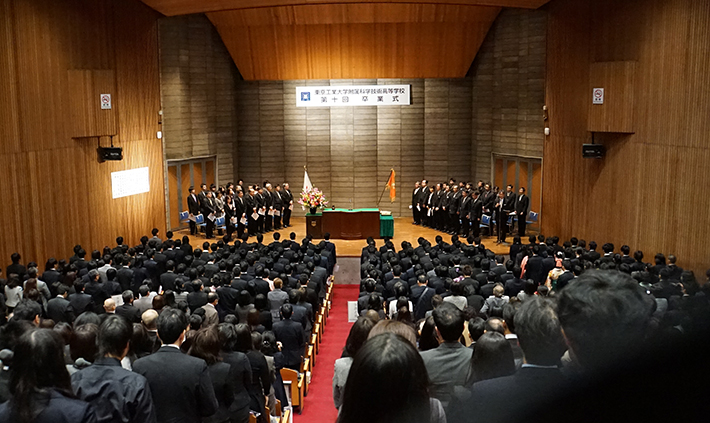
(306, 369)
(311, 356)
(314, 342)
(286, 416)
(291, 377)
(278, 410)
(252, 418)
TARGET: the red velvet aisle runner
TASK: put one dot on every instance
(319, 406)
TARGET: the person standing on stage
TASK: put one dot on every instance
(421, 201)
(454, 220)
(521, 210)
(268, 194)
(476, 213)
(230, 214)
(465, 212)
(436, 200)
(489, 199)
(209, 207)
(261, 209)
(240, 211)
(193, 207)
(278, 206)
(501, 217)
(288, 205)
(430, 201)
(252, 206)
(415, 203)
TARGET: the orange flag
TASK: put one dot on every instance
(390, 185)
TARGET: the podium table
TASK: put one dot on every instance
(348, 224)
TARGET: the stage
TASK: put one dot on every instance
(404, 230)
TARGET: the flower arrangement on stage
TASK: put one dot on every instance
(313, 198)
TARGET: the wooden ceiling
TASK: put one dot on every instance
(349, 39)
(187, 7)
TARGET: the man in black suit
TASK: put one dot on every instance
(202, 195)
(124, 275)
(80, 301)
(508, 206)
(501, 218)
(415, 202)
(268, 194)
(180, 384)
(292, 338)
(278, 206)
(288, 205)
(522, 203)
(16, 268)
(453, 210)
(465, 213)
(509, 399)
(240, 209)
(127, 310)
(209, 207)
(476, 214)
(59, 308)
(193, 208)
(535, 268)
(421, 296)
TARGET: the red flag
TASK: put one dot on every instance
(390, 185)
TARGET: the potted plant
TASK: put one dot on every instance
(313, 199)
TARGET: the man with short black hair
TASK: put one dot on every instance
(181, 385)
(127, 309)
(421, 296)
(511, 398)
(448, 364)
(59, 308)
(116, 394)
(292, 337)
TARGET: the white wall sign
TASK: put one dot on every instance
(598, 96)
(130, 182)
(105, 101)
(353, 95)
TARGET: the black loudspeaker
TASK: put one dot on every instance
(110, 153)
(593, 151)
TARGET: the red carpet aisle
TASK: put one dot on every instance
(319, 402)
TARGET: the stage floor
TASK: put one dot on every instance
(404, 230)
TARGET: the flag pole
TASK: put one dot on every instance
(384, 189)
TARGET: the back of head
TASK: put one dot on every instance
(171, 325)
(539, 332)
(114, 335)
(38, 363)
(492, 357)
(395, 327)
(604, 316)
(387, 382)
(449, 321)
(358, 335)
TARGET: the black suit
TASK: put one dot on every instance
(133, 314)
(535, 270)
(208, 207)
(124, 277)
(60, 310)
(193, 207)
(181, 386)
(288, 199)
(507, 399)
(476, 214)
(293, 339)
(465, 214)
(522, 204)
(81, 302)
(416, 215)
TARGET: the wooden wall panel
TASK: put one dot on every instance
(185, 7)
(647, 176)
(618, 79)
(55, 186)
(85, 89)
(337, 41)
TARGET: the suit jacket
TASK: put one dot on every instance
(167, 281)
(522, 203)
(211, 315)
(59, 409)
(124, 277)
(181, 385)
(130, 312)
(193, 205)
(509, 201)
(81, 302)
(293, 338)
(60, 310)
(506, 399)
(448, 366)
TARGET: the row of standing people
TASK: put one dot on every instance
(253, 210)
(458, 208)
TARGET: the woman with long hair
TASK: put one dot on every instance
(388, 383)
(206, 345)
(492, 358)
(240, 372)
(356, 339)
(40, 385)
